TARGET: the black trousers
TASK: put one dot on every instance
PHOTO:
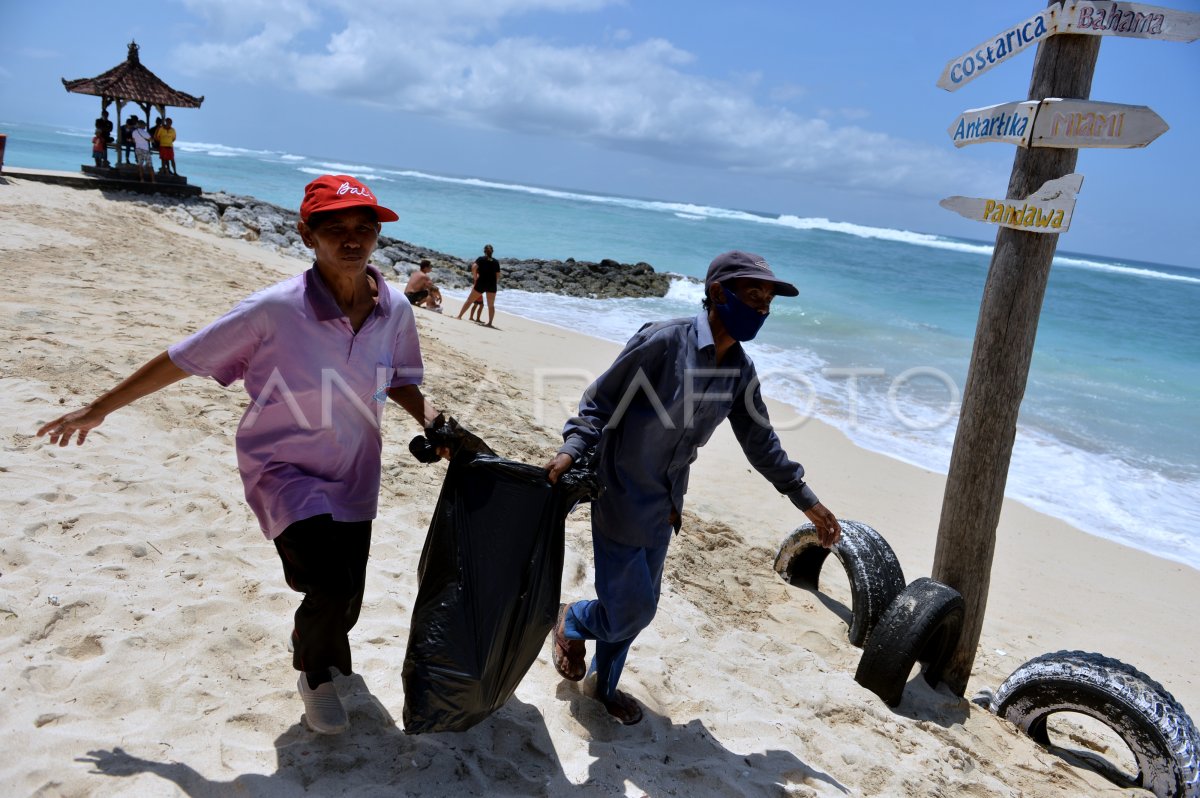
(326, 560)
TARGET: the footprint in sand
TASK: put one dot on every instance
(88, 647)
(821, 645)
(51, 497)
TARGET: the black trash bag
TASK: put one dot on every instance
(490, 576)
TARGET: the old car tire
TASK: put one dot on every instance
(923, 623)
(1158, 731)
(870, 564)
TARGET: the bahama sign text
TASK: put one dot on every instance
(1131, 19)
(1114, 19)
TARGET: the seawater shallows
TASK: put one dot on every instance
(877, 344)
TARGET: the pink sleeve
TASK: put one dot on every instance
(223, 349)
(406, 352)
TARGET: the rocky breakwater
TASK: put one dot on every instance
(273, 226)
(607, 279)
(604, 280)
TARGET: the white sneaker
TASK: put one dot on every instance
(323, 710)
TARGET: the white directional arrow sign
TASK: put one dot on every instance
(1084, 123)
(1007, 122)
(1047, 210)
(999, 48)
(1059, 123)
(1079, 16)
(1130, 19)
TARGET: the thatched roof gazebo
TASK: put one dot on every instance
(131, 82)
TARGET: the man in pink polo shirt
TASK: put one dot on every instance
(319, 354)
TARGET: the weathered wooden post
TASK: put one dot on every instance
(1004, 336)
(1048, 128)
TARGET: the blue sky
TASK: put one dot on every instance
(815, 110)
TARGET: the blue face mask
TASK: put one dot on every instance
(741, 321)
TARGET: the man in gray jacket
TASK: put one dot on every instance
(647, 416)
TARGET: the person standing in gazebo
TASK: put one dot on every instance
(141, 144)
(165, 136)
(125, 135)
(98, 148)
(104, 128)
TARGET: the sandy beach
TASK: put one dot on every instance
(145, 618)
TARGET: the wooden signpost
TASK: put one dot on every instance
(1047, 210)
(1048, 129)
(1078, 16)
(1055, 122)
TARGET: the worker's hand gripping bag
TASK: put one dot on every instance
(490, 576)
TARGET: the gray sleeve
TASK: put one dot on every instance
(762, 447)
(605, 395)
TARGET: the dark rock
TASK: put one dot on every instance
(604, 280)
(275, 227)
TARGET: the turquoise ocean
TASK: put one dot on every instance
(877, 344)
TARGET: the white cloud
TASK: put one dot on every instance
(230, 19)
(852, 114)
(452, 60)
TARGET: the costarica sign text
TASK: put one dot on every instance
(999, 48)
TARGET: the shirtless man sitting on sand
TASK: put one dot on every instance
(421, 290)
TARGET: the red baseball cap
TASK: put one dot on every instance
(337, 192)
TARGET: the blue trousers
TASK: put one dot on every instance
(628, 583)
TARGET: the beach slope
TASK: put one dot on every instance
(145, 620)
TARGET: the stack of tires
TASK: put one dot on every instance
(899, 625)
(895, 625)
